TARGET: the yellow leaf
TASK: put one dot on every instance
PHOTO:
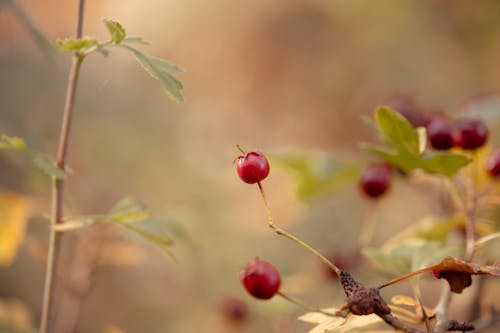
(14, 213)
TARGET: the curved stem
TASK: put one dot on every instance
(406, 276)
(284, 233)
(303, 305)
(58, 184)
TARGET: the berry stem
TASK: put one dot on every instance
(241, 149)
(470, 226)
(406, 276)
(58, 184)
(284, 233)
(368, 226)
(303, 305)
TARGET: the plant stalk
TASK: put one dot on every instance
(58, 184)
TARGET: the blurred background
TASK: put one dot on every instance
(290, 78)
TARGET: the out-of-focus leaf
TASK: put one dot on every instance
(116, 31)
(316, 173)
(488, 247)
(157, 68)
(14, 213)
(11, 142)
(445, 163)
(404, 146)
(458, 272)
(350, 324)
(135, 40)
(85, 44)
(113, 329)
(410, 255)
(15, 316)
(410, 301)
(429, 228)
(162, 241)
(47, 165)
(396, 131)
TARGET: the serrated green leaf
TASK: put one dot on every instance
(159, 70)
(11, 142)
(445, 163)
(47, 165)
(116, 31)
(85, 44)
(396, 130)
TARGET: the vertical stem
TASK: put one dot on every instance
(58, 184)
(368, 227)
(470, 227)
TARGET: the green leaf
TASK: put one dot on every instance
(396, 130)
(401, 159)
(47, 165)
(445, 163)
(128, 211)
(11, 142)
(116, 31)
(135, 40)
(160, 70)
(316, 173)
(86, 44)
(163, 242)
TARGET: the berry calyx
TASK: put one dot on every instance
(252, 167)
(261, 279)
(440, 132)
(470, 134)
(375, 180)
(493, 163)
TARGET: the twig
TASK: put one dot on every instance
(441, 310)
(58, 184)
(304, 306)
(284, 233)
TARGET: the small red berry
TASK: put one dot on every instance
(440, 132)
(493, 163)
(260, 278)
(470, 134)
(252, 167)
(375, 180)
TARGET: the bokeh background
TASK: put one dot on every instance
(270, 75)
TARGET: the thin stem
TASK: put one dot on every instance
(406, 276)
(284, 233)
(58, 184)
(441, 309)
(368, 227)
(303, 305)
(470, 226)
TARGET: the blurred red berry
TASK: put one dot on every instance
(375, 180)
(234, 309)
(252, 167)
(440, 133)
(261, 279)
(470, 134)
(493, 163)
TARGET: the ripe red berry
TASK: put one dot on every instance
(252, 167)
(261, 279)
(440, 132)
(493, 163)
(375, 180)
(470, 134)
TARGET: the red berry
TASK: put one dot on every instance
(375, 180)
(493, 163)
(440, 132)
(470, 134)
(261, 279)
(253, 167)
